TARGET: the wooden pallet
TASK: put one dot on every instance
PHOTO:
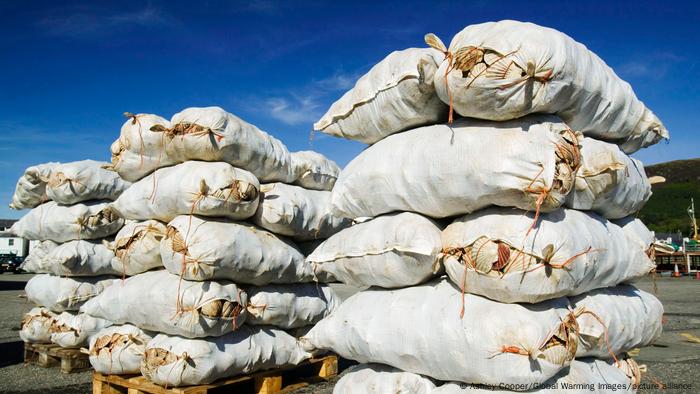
(48, 355)
(265, 382)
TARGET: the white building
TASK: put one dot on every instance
(12, 244)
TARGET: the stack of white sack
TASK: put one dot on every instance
(72, 221)
(233, 276)
(501, 161)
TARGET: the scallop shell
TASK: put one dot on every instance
(211, 309)
(557, 354)
(484, 254)
(477, 70)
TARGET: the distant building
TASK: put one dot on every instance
(10, 243)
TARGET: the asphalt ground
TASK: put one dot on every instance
(673, 360)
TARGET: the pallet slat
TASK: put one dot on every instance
(47, 355)
(265, 382)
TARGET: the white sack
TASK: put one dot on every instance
(217, 249)
(64, 294)
(75, 330)
(632, 318)
(443, 170)
(290, 306)
(314, 171)
(174, 361)
(583, 376)
(395, 95)
(36, 261)
(36, 325)
(81, 258)
(394, 250)
(382, 379)
(508, 69)
(70, 183)
(160, 301)
(31, 187)
(297, 213)
(608, 182)
(419, 329)
(139, 151)
(568, 253)
(193, 187)
(212, 134)
(137, 247)
(638, 234)
(118, 350)
(61, 223)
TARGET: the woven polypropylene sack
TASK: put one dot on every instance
(297, 213)
(64, 294)
(381, 379)
(629, 318)
(609, 182)
(36, 261)
(506, 70)
(81, 258)
(497, 254)
(139, 151)
(30, 190)
(193, 187)
(290, 306)
(119, 349)
(419, 329)
(442, 170)
(160, 301)
(394, 250)
(176, 361)
(314, 171)
(62, 223)
(36, 325)
(137, 247)
(71, 183)
(395, 95)
(206, 249)
(74, 330)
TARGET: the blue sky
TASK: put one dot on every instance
(70, 69)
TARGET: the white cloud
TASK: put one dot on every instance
(337, 81)
(293, 110)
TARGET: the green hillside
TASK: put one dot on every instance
(666, 210)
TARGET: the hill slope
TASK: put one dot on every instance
(666, 210)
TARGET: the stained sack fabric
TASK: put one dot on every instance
(490, 344)
(290, 306)
(395, 95)
(498, 254)
(30, 190)
(139, 151)
(314, 171)
(36, 325)
(205, 248)
(119, 349)
(586, 375)
(62, 223)
(64, 294)
(71, 183)
(81, 258)
(508, 69)
(616, 320)
(609, 182)
(137, 247)
(638, 234)
(442, 170)
(36, 261)
(193, 187)
(297, 213)
(175, 361)
(381, 379)
(75, 330)
(394, 250)
(160, 301)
